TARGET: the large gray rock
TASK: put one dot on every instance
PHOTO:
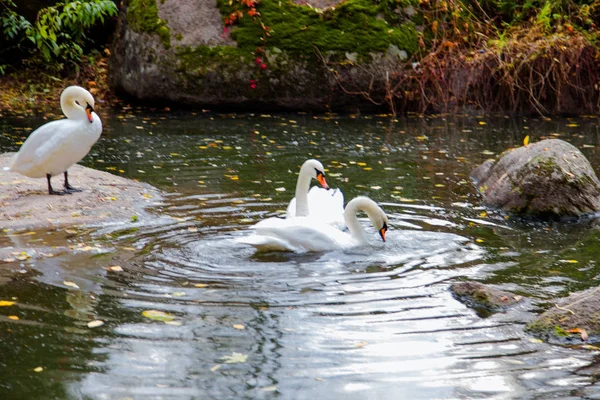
(179, 51)
(550, 178)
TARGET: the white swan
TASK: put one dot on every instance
(53, 147)
(305, 234)
(321, 203)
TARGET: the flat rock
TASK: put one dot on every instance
(484, 299)
(546, 179)
(106, 198)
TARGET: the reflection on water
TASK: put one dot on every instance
(365, 323)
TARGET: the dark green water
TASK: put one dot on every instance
(370, 323)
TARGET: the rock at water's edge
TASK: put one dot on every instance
(25, 202)
(550, 178)
(574, 319)
(483, 298)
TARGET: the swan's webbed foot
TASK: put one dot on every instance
(68, 188)
(52, 191)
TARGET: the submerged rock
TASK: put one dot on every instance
(550, 178)
(574, 319)
(483, 298)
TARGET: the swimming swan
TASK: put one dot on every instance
(305, 234)
(322, 203)
(53, 147)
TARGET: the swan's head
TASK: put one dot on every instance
(379, 221)
(76, 97)
(315, 169)
(374, 212)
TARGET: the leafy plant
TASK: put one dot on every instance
(58, 34)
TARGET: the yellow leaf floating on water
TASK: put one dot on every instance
(235, 358)
(421, 137)
(569, 261)
(200, 285)
(239, 326)
(483, 214)
(71, 284)
(38, 369)
(269, 389)
(526, 141)
(158, 315)
(6, 303)
(116, 268)
(13, 317)
(479, 240)
(216, 367)
(573, 125)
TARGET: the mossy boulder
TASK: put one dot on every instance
(290, 56)
(484, 299)
(572, 320)
(546, 179)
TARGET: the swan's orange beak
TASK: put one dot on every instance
(382, 231)
(89, 110)
(321, 179)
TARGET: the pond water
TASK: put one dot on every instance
(369, 323)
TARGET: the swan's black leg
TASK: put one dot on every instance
(50, 190)
(69, 188)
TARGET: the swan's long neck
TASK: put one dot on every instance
(352, 222)
(302, 187)
(70, 108)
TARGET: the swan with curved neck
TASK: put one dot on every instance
(304, 234)
(322, 203)
(52, 148)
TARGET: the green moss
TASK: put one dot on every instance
(360, 26)
(142, 16)
(202, 59)
(558, 331)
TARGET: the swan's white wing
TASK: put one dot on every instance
(26, 158)
(54, 147)
(326, 205)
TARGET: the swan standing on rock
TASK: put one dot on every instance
(304, 234)
(53, 147)
(322, 203)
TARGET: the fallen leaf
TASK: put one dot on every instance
(581, 331)
(269, 389)
(38, 369)
(200, 285)
(158, 315)
(71, 284)
(239, 326)
(116, 268)
(95, 323)
(526, 141)
(13, 317)
(235, 358)
(216, 367)
(6, 303)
